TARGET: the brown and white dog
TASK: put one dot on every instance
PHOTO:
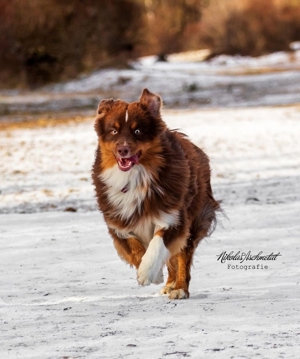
(153, 187)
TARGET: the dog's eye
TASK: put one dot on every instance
(114, 131)
(137, 132)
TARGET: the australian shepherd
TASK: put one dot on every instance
(153, 188)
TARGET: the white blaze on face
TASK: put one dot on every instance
(126, 116)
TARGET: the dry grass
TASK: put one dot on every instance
(43, 41)
(250, 27)
(42, 122)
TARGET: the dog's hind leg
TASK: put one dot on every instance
(200, 228)
(171, 281)
(183, 277)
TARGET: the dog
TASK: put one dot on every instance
(153, 187)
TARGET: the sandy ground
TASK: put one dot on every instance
(64, 293)
(254, 157)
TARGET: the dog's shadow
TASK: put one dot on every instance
(198, 296)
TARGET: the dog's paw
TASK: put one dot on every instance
(160, 277)
(143, 278)
(179, 294)
(166, 290)
(146, 276)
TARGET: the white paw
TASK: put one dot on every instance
(147, 275)
(160, 277)
(143, 278)
(179, 294)
(167, 289)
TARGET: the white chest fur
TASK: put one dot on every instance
(146, 228)
(137, 184)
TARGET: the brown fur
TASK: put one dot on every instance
(180, 181)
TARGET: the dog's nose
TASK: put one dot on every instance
(123, 151)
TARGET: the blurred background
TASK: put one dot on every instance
(46, 41)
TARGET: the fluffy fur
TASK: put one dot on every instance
(153, 187)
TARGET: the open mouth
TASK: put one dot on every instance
(125, 164)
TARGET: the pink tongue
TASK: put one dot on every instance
(125, 161)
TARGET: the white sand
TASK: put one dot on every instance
(64, 293)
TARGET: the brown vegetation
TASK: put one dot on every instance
(50, 40)
(172, 24)
(250, 27)
(44, 41)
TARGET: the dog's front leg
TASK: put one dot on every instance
(157, 254)
(129, 249)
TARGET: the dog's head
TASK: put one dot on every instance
(129, 132)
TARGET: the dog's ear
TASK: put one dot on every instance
(103, 107)
(151, 101)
